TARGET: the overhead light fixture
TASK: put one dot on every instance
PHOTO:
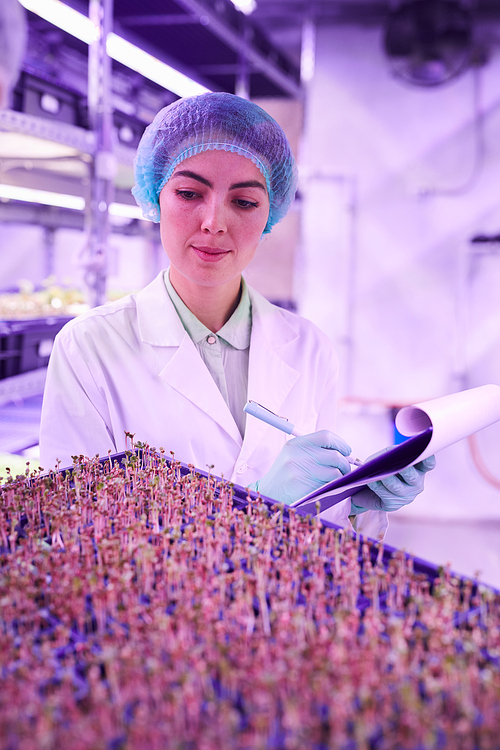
(45, 197)
(81, 27)
(61, 200)
(50, 104)
(246, 6)
(126, 211)
(64, 18)
(150, 67)
(126, 134)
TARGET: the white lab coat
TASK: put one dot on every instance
(130, 366)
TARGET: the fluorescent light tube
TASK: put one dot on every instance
(46, 198)
(64, 18)
(126, 210)
(118, 49)
(76, 202)
(150, 67)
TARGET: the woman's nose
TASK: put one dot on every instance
(214, 217)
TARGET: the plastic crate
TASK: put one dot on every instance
(26, 344)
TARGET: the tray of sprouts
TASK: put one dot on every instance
(147, 604)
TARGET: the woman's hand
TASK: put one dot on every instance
(304, 464)
(393, 492)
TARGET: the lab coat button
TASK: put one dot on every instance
(241, 468)
(211, 339)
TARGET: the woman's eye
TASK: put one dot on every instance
(242, 203)
(188, 195)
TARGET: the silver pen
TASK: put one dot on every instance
(282, 423)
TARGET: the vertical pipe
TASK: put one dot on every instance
(242, 86)
(103, 168)
(49, 234)
(308, 51)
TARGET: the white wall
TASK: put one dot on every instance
(388, 272)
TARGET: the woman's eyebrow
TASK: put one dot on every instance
(204, 181)
(193, 175)
(248, 184)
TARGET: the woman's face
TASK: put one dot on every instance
(213, 211)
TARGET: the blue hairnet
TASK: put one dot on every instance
(219, 121)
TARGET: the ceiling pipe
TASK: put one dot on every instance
(230, 35)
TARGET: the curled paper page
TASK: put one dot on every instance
(430, 427)
(451, 417)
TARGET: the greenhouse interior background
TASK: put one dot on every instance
(392, 246)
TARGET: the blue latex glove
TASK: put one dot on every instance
(304, 464)
(393, 492)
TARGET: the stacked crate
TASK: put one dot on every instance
(25, 345)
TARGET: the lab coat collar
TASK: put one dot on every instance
(159, 324)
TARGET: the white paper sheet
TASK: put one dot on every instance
(451, 417)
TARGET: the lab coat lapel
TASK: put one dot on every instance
(179, 363)
(270, 376)
(188, 375)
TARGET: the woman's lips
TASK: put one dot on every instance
(210, 254)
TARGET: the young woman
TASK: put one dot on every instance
(176, 363)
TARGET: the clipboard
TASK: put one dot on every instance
(429, 426)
